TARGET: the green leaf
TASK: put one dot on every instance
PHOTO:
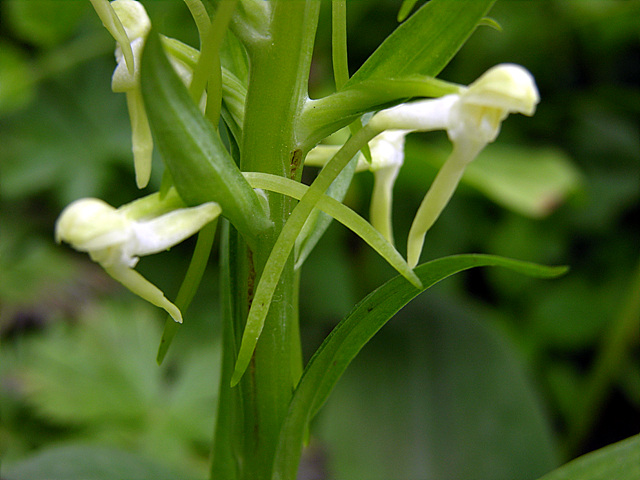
(201, 168)
(426, 42)
(84, 462)
(620, 461)
(347, 339)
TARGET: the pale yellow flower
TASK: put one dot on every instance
(117, 238)
(472, 119)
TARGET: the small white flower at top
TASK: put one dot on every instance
(127, 21)
(117, 238)
(472, 119)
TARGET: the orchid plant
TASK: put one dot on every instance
(234, 125)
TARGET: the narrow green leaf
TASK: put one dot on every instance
(190, 285)
(339, 42)
(341, 213)
(201, 168)
(426, 42)
(208, 69)
(620, 461)
(351, 334)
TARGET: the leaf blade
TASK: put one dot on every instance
(620, 461)
(352, 333)
(201, 168)
(426, 42)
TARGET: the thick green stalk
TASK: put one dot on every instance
(279, 67)
(226, 446)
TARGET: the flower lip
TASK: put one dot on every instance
(507, 87)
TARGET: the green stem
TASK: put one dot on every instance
(339, 42)
(208, 68)
(279, 66)
(200, 17)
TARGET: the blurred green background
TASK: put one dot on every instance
(489, 375)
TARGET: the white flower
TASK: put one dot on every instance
(117, 238)
(126, 78)
(472, 119)
(127, 21)
(129, 24)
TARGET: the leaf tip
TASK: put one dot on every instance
(491, 23)
(237, 375)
